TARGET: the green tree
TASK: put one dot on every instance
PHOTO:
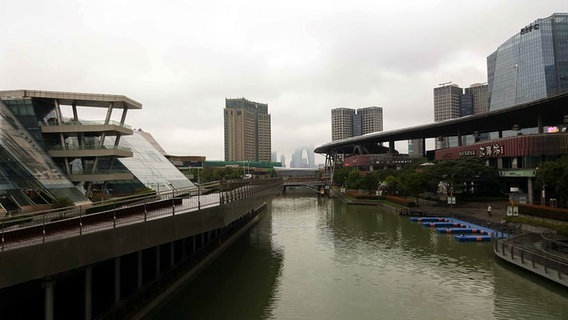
(369, 182)
(554, 176)
(393, 184)
(464, 174)
(340, 175)
(412, 183)
(353, 180)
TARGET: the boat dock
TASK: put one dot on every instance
(463, 231)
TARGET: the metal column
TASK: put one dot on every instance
(88, 293)
(140, 269)
(49, 286)
(116, 279)
(157, 262)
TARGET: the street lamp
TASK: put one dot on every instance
(199, 186)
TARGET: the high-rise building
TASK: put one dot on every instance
(450, 101)
(478, 92)
(371, 119)
(531, 65)
(466, 104)
(447, 99)
(416, 148)
(247, 131)
(347, 122)
(298, 161)
(341, 123)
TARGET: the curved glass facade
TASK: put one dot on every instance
(149, 166)
(531, 65)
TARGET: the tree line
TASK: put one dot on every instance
(468, 177)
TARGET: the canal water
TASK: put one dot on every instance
(314, 258)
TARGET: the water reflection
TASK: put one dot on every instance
(237, 285)
(313, 258)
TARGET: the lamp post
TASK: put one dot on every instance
(173, 199)
(199, 188)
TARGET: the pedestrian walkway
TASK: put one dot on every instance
(477, 211)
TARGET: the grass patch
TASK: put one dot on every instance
(560, 228)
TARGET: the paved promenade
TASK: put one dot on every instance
(476, 210)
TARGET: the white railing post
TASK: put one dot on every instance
(43, 228)
(173, 202)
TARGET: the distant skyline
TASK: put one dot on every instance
(181, 59)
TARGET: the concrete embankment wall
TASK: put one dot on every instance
(118, 271)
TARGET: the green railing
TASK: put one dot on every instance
(86, 147)
(89, 123)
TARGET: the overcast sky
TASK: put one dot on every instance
(182, 58)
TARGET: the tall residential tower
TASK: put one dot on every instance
(347, 122)
(447, 101)
(247, 131)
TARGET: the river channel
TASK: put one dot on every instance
(315, 258)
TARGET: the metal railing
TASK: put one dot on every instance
(73, 147)
(530, 251)
(41, 227)
(87, 123)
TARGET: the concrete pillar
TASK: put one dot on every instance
(49, 286)
(530, 190)
(172, 254)
(391, 146)
(140, 269)
(88, 293)
(157, 261)
(540, 123)
(459, 136)
(117, 279)
(423, 151)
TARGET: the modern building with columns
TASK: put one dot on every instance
(49, 150)
(515, 154)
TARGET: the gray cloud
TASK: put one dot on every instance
(181, 59)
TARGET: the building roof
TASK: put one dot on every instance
(551, 111)
(79, 99)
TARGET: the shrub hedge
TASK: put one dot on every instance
(544, 212)
(402, 201)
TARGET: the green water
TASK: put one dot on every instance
(311, 258)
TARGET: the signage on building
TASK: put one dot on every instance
(483, 152)
(490, 150)
(467, 153)
(530, 28)
(525, 173)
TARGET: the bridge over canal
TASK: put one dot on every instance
(309, 178)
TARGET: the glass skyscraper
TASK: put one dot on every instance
(531, 65)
